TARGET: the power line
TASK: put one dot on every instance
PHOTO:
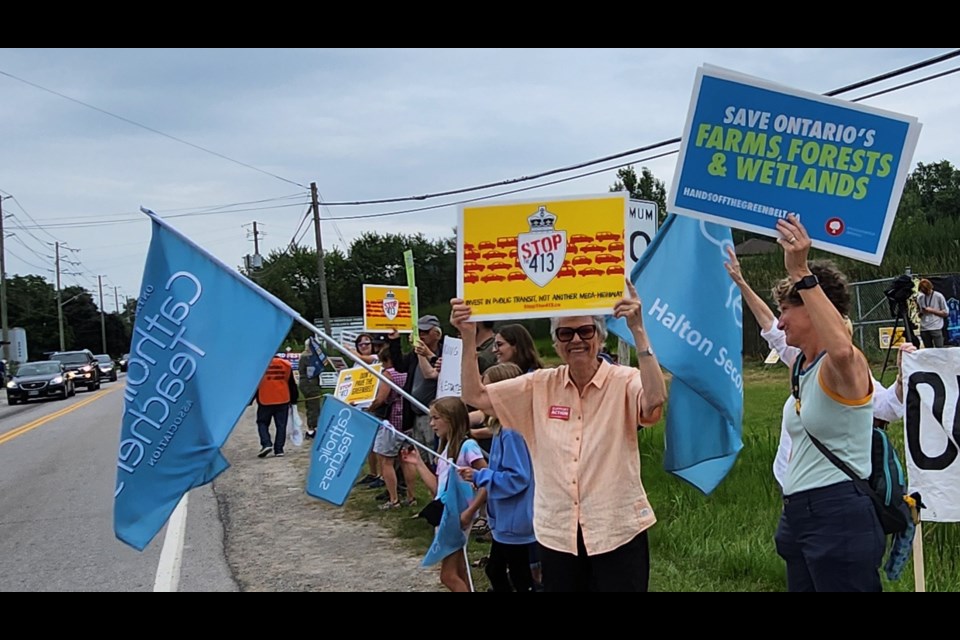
(489, 185)
(150, 129)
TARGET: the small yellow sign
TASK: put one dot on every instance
(884, 336)
(386, 307)
(542, 258)
(357, 386)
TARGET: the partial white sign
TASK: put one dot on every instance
(932, 431)
(448, 384)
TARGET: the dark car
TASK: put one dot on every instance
(36, 380)
(84, 368)
(108, 368)
(124, 362)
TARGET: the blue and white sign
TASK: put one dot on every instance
(753, 151)
(344, 438)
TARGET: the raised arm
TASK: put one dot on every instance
(845, 368)
(757, 305)
(472, 391)
(651, 376)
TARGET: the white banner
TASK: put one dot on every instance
(932, 430)
(448, 384)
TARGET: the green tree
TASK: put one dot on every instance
(644, 187)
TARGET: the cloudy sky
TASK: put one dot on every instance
(216, 139)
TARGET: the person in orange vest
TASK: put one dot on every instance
(276, 396)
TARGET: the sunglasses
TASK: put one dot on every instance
(565, 334)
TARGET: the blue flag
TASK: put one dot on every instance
(202, 339)
(455, 496)
(693, 315)
(344, 438)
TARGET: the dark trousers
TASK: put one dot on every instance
(831, 540)
(512, 558)
(279, 414)
(626, 568)
(932, 338)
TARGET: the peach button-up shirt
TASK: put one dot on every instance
(585, 456)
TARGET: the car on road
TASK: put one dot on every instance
(124, 362)
(84, 368)
(108, 368)
(35, 380)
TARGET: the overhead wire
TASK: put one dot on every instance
(148, 128)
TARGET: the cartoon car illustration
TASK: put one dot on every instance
(497, 266)
(615, 246)
(572, 248)
(604, 236)
(607, 257)
(580, 238)
(503, 243)
(468, 247)
(615, 270)
(593, 248)
(567, 272)
(471, 255)
(590, 271)
(486, 244)
(582, 260)
(471, 278)
(493, 277)
(472, 266)
(494, 255)
(512, 254)
(516, 275)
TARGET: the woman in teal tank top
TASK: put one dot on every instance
(828, 533)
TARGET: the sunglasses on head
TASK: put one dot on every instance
(565, 334)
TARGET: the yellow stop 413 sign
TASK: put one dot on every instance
(542, 258)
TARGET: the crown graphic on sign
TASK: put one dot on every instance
(542, 220)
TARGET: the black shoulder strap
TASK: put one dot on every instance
(795, 379)
(840, 464)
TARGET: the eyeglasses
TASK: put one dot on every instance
(565, 334)
(498, 345)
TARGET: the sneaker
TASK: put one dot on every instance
(389, 506)
(264, 452)
(367, 479)
(310, 433)
(279, 455)
(409, 502)
(377, 483)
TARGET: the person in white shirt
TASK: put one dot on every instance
(933, 309)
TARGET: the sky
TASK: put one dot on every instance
(214, 140)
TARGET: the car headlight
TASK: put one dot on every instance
(70, 375)
(11, 385)
(57, 380)
(86, 368)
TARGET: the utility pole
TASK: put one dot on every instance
(116, 300)
(103, 321)
(256, 240)
(324, 303)
(63, 346)
(3, 294)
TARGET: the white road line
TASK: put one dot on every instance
(168, 569)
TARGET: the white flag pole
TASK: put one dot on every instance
(919, 582)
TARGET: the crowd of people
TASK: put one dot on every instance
(552, 452)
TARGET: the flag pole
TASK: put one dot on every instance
(386, 379)
(919, 582)
(383, 378)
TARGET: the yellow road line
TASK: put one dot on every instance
(30, 426)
